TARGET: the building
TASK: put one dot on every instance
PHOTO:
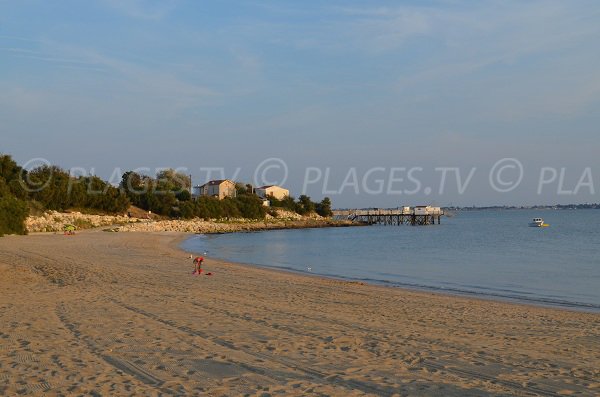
(220, 189)
(427, 210)
(272, 191)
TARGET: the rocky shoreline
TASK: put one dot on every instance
(208, 227)
(56, 221)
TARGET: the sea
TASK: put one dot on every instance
(485, 253)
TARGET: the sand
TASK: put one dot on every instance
(120, 314)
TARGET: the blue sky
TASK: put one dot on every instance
(105, 84)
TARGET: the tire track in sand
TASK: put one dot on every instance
(464, 373)
(116, 362)
(311, 373)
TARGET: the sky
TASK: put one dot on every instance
(374, 104)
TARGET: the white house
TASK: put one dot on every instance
(220, 188)
(272, 191)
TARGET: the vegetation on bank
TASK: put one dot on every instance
(168, 194)
(13, 213)
(13, 207)
(304, 205)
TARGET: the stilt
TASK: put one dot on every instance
(424, 216)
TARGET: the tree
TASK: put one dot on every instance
(289, 203)
(171, 180)
(187, 209)
(9, 170)
(184, 195)
(324, 208)
(131, 182)
(113, 200)
(305, 205)
(12, 175)
(240, 189)
(250, 206)
(13, 211)
(135, 186)
(49, 185)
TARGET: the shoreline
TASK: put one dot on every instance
(489, 297)
(519, 300)
(54, 222)
(214, 227)
(120, 314)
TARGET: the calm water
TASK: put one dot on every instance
(488, 253)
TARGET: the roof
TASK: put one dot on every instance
(216, 182)
(268, 186)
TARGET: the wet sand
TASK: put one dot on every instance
(120, 314)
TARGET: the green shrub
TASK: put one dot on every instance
(324, 208)
(287, 203)
(250, 206)
(13, 213)
(55, 189)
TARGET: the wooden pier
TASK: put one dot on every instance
(416, 216)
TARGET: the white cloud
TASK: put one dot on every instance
(123, 90)
(505, 59)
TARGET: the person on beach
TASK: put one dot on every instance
(198, 264)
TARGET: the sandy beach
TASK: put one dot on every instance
(116, 314)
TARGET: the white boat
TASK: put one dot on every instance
(538, 222)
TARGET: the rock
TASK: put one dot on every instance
(55, 221)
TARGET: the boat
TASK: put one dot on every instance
(538, 222)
